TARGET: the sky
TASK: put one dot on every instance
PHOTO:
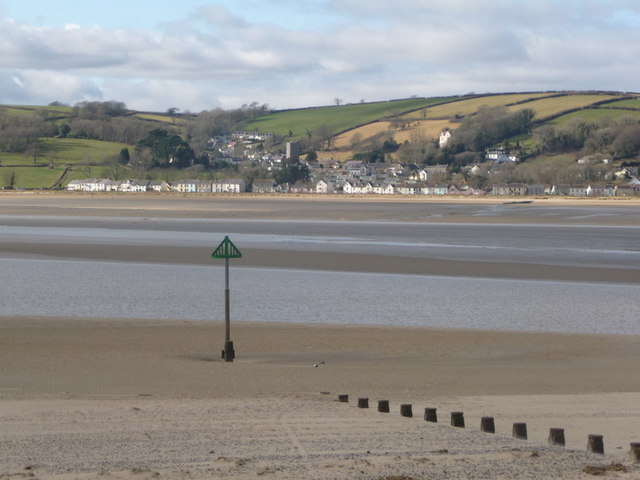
(197, 55)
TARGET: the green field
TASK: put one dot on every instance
(79, 150)
(31, 177)
(25, 111)
(627, 103)
(338, 118)
(85, 157)
(592, 114)
(548, 107)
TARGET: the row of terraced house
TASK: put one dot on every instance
(351, 187)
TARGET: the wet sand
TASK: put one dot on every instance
(87, 398)
(149, 399)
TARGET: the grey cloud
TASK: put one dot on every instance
(377, 50)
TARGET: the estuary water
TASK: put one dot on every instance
(56, 286)
(161, 291)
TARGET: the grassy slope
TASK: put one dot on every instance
(86, 158)
(592, 114)
(338, 118)
(31, 177)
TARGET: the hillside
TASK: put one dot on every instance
(47, 146)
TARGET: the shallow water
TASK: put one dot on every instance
(65, 287)
(158, 291)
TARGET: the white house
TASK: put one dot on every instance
(78, 185)
(186, 186)
(159, 186)
(264, 185)
(384, 189)
(325, 186)
(228, 185)
(356, 169)
(353, 187)
(110, 185)
(500, 155)
(436, 189)
(411, 188)
(444, 137)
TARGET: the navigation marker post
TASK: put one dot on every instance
(227, 250)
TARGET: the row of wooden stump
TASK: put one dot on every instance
(487, 424)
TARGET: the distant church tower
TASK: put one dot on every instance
(293, 150)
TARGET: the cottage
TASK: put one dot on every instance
(78, 186)
(356, 169)
(436, 189)
(536, 189)
(624, 191)
(411, 188)
(600, 191)
(325, 186)
(500, 155)
(416, 174)
(186, 186)
(384, 189)
(264, 185)
(159, 186)
(444, 137)
(229, 185)
(509, 189)
(203, 186)
(356, 187)
(302, 187)
(133, 185)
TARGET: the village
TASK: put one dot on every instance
(354, 177)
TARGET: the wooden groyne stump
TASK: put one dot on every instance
(487, 424)
(363, 402)
(383, 406)
(520, 430)
(406, 410)
(343, 398)
(430, 414)
(635, 451)
(556, 436)
(457, 419)
(595, 444)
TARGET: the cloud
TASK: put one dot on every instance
(373, 49)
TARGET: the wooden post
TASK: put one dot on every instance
(430, 415)
(520, 430)
(406, 410)
(487, 425)
(363, 402)
(595, 444)
(635, 452)
(556, 436)
(383, 406)
(343, 398)
(457, 419)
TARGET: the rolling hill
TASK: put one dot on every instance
(58, 159)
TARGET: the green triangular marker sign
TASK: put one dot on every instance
(226, 250)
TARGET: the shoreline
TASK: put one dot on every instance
(489, 199)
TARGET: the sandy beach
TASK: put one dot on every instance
(85, 398)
